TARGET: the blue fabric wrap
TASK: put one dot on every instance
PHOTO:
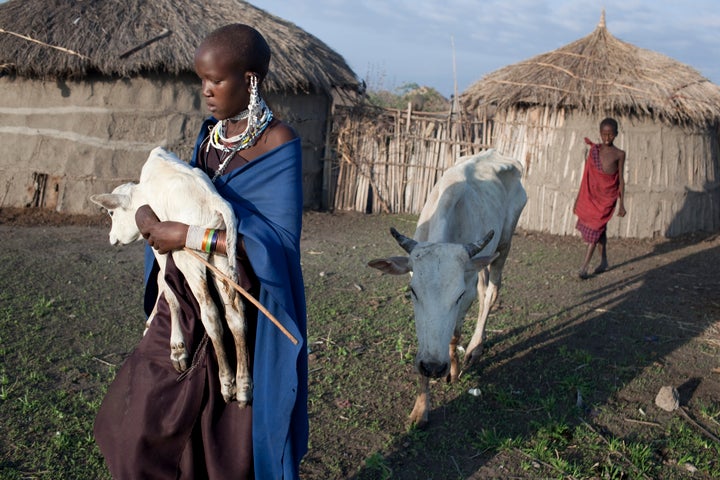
(266, 195)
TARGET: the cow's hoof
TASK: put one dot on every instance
(419, 423)
(418, 418)
(472, 357)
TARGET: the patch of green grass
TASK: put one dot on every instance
(43, 306)
(377, 468)
(489, 440)
(684, 444)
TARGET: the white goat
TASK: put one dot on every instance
(175, 191)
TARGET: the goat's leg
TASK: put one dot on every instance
(237, 324)
(150, 318)
(419, 414)
(178, 351)
(210, 317)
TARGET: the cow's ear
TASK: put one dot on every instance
(391, 265)
(478, 263)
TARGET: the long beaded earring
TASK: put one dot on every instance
(255, 107)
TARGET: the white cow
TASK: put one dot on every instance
(175, 191)
(479, 198)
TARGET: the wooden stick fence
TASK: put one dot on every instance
(388, 160)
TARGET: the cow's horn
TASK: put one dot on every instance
(474, 248)
(406, 243)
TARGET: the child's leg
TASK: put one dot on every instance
(588, 256)
(603, 254)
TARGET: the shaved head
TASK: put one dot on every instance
(243, 46)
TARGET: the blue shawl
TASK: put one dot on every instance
(266, 195)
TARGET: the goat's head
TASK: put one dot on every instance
(121, 208)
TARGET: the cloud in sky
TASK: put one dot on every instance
(391, 43)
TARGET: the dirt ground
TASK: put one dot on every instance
(656, 310)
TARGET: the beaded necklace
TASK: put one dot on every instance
(255, 127)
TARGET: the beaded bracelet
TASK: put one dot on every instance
(204, 240)
(207, 242)
(213, 242)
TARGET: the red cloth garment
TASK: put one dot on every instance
(597, 197)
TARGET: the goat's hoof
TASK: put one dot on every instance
(180, 365)
(244, 397)
(244, 390)
(228, 391)
(179, 357)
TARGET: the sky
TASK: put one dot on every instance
(451, 44)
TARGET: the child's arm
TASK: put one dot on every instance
(621, 185)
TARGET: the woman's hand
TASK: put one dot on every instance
(162, 236)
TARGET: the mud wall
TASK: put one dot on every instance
(671, 173)
(63, 141)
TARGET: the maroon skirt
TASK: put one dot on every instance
(155, 423)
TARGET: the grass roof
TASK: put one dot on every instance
(74, 39)
(602, 75)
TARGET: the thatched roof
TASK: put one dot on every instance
(123, 38)
(601, 74)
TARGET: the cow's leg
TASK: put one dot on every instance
(487, 296)
(419, 414)
(454, 368)
(235, 316)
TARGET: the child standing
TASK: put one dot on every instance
(601, 188)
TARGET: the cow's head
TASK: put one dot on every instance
(442, 286)
(119, 205)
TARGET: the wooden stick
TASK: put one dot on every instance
(245, 293)
(29, 39)
(642, 422)
(687, 417)
(163, 33)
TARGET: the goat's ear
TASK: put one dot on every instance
(391, 265)
(110, 201)
(478, 263)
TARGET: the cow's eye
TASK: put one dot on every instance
(413, 294)
(110, 212)
(460, 297)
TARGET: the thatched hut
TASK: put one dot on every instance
(88, 88)
(669, 118)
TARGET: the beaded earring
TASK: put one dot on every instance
(258, 116)
(255, 106)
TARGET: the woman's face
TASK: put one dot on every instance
(224, 86)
